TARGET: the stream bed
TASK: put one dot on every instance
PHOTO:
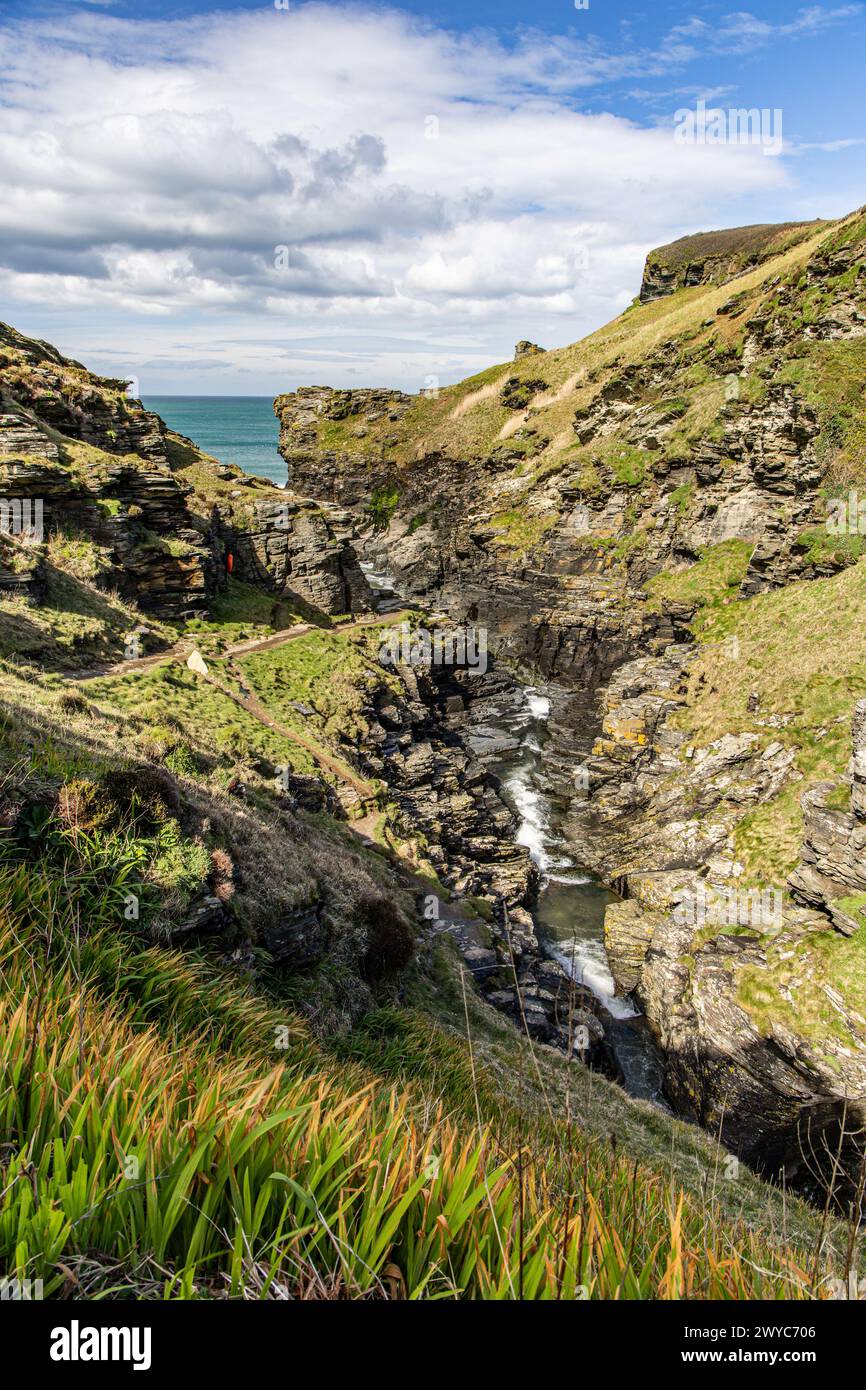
(571, 902)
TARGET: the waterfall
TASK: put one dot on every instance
(570, 904)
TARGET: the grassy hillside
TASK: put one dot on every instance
(164, 1149)
(179, 1126)
(187, 1113)
(471, 419)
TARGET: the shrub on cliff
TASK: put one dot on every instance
(146, 795)
(390, 943)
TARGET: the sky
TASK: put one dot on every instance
(217, 197)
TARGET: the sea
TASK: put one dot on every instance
(235, 429)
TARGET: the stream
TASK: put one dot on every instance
(382, 585)
(571, 902)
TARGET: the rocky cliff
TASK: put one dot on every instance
(712, 258)
(162, 519)
(642, 518)
(545, 510)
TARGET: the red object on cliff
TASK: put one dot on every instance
(230, 562)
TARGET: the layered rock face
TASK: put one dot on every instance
(717, 964)
(299, 550)
(712, 258)
(328, 474)
(62, 394)
(417, 745)
(563, 612)
(722, 968)
(654, 802)
(783, 1098)
(119, 491)
(127, 508)
(584, 505)
(96, 465)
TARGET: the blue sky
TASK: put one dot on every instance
(241, 197)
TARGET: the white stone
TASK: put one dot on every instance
(196, 662)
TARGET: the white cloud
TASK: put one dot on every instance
(162, 165)
(742, 32)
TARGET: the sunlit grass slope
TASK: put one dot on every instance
(171, 1127)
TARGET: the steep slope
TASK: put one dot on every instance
(150, 516)
(651, 519)
(222, 1000)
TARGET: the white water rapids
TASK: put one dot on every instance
(570, 904)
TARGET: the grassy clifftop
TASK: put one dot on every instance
(714, 257)
(543, 391)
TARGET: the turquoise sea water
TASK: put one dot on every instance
(235, 429)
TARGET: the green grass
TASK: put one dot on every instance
(712, 581)
(466, 420)
(333, 674)
(170, 695)
(519, 531)
(740, 245)
(681, 497)
(628, 465)
(241, 611)
(80, 556)
(821, 547)
(76, 623)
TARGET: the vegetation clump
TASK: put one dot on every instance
(383, 504)
(517, 393)
(390, 941)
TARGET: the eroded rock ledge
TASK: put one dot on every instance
(782, 1089)
(571, 533)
